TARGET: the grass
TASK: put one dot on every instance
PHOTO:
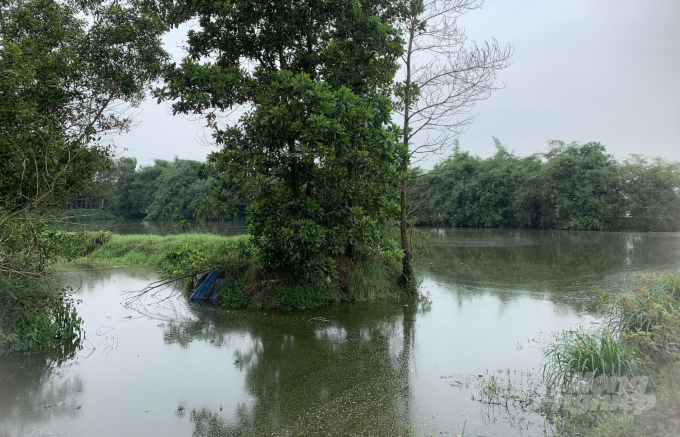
(574, 354)
(374, 279)
(657, 297)
(646, 341)
(152, 250)
(367, 280)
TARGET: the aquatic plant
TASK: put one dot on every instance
(575, 353)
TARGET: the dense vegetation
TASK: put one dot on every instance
(166, 190)
(182, 258)
(65, 70)
(572, 186)
(316, 154)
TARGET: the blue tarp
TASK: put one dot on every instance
(206, 287)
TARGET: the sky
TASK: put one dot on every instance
(583, 70)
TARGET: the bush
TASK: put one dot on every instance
(35, 318)
(647, 323)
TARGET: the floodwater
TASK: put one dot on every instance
(166, 367)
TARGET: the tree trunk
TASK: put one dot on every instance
(407, 277)
(407, 269)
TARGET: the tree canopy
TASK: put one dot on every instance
(572, 186)
(68, 69)
(315, 154)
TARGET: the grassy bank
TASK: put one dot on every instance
(244, 284)
(590, 371)
(153, 251)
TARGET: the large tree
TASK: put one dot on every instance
(315, 154)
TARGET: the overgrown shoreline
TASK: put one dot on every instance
(245, 284)
(619, 380)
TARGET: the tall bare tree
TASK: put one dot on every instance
(444, 77)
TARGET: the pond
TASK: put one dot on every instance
(165, 367)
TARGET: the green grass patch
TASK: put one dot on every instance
(643, 338)
(574, 354)
(374, 279)
(153, 250)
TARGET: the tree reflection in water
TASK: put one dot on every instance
(35, 390)
(309, 374)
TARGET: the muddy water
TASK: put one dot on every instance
(166, 367)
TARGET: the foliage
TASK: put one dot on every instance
(374, 279)
(243, 284)
(197, 251)
(316, 155)
(66, 71)
(651, 192)
(164, 191)
(35, 317)
(572, 186)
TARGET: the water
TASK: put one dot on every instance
(165, 367)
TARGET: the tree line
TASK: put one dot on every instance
(165, 191)
(571, 186)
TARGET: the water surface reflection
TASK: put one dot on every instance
(165, 367)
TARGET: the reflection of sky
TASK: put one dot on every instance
(164, 368)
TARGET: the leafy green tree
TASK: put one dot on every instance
(316, 156)
(66, 70)
(113, 184)
(652, 193)
(572, 186)
(580, 188)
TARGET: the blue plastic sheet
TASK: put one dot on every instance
(206, 287)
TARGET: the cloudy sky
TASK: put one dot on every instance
(583, 70)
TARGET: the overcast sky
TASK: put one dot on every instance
(583, 70)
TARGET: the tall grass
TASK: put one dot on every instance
(644, 338)
(573, 354)
(374, 279)
(640, 311)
